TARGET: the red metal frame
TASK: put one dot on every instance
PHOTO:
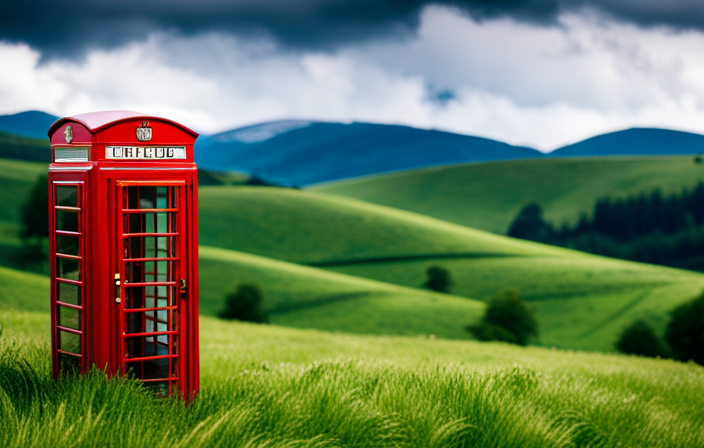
(102, 184)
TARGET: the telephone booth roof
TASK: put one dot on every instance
(102, 136)
(96, 122)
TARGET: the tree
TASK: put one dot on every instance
(530, 225)
(245, 303)
(685, 331)
(507, 318)
(439, 279)
(640, 339)
(35, 210)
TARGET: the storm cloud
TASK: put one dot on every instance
(70, 28)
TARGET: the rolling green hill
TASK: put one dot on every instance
(24, 148)
(305, 297)
(307, 227)
(488, 196)
(583, 301)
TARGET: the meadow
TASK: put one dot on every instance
(489, 195)
(358, 354)
(341, 264)
(271, 386)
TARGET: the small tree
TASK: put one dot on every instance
(530, 225)
(685, 331)
(245, 303)
(640, 339)
(507, 318)
(438, 279)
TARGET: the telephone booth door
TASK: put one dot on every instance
(150, 282)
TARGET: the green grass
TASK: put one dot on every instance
(270, 386)
(16, 180)
(595, 294)
(582, 302)
(306, 227)
(305, 297)
(488, 196)
(24, 148)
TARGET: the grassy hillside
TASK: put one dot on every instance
(266, 385)
(304, 297)
(306, 227)
(582, 301)
(488, 196)
(23, 148)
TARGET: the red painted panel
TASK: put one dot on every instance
(81, 135)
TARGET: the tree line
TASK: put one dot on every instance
(648, 227)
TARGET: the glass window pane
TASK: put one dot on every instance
(69, 365)
(67, 196)
(156, 369)
(161, 222)
(70, 342)
(147, 196)
(69, 318)
(132, 197)
(146, 346)
(67, 268)
(67, 245)
(68, 293)
(162, 196)
(134, 297)
(67, 220)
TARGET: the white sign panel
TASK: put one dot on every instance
(145, 153)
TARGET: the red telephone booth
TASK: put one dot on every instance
(123, 218)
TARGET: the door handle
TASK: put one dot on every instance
(182, 286)
(117, 288)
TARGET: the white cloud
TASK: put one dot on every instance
(536, 86)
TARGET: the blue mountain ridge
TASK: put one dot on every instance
(635, 141)
(33, 124)
(299, 152)
(303, 153)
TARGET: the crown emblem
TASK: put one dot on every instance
(144, 132)
(68, 134)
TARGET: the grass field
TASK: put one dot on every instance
(488, 196)
(272, 386)
(395, 247)
(306, 227)
(368, 262)
(305, 297)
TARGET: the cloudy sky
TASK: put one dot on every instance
(541, 73)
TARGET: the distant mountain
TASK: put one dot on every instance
(635, 141)
(33, 124)
(305, 152)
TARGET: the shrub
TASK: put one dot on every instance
(246, 303)
(507, 318)
(438, 279)
(640, 339)
(685, 331)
